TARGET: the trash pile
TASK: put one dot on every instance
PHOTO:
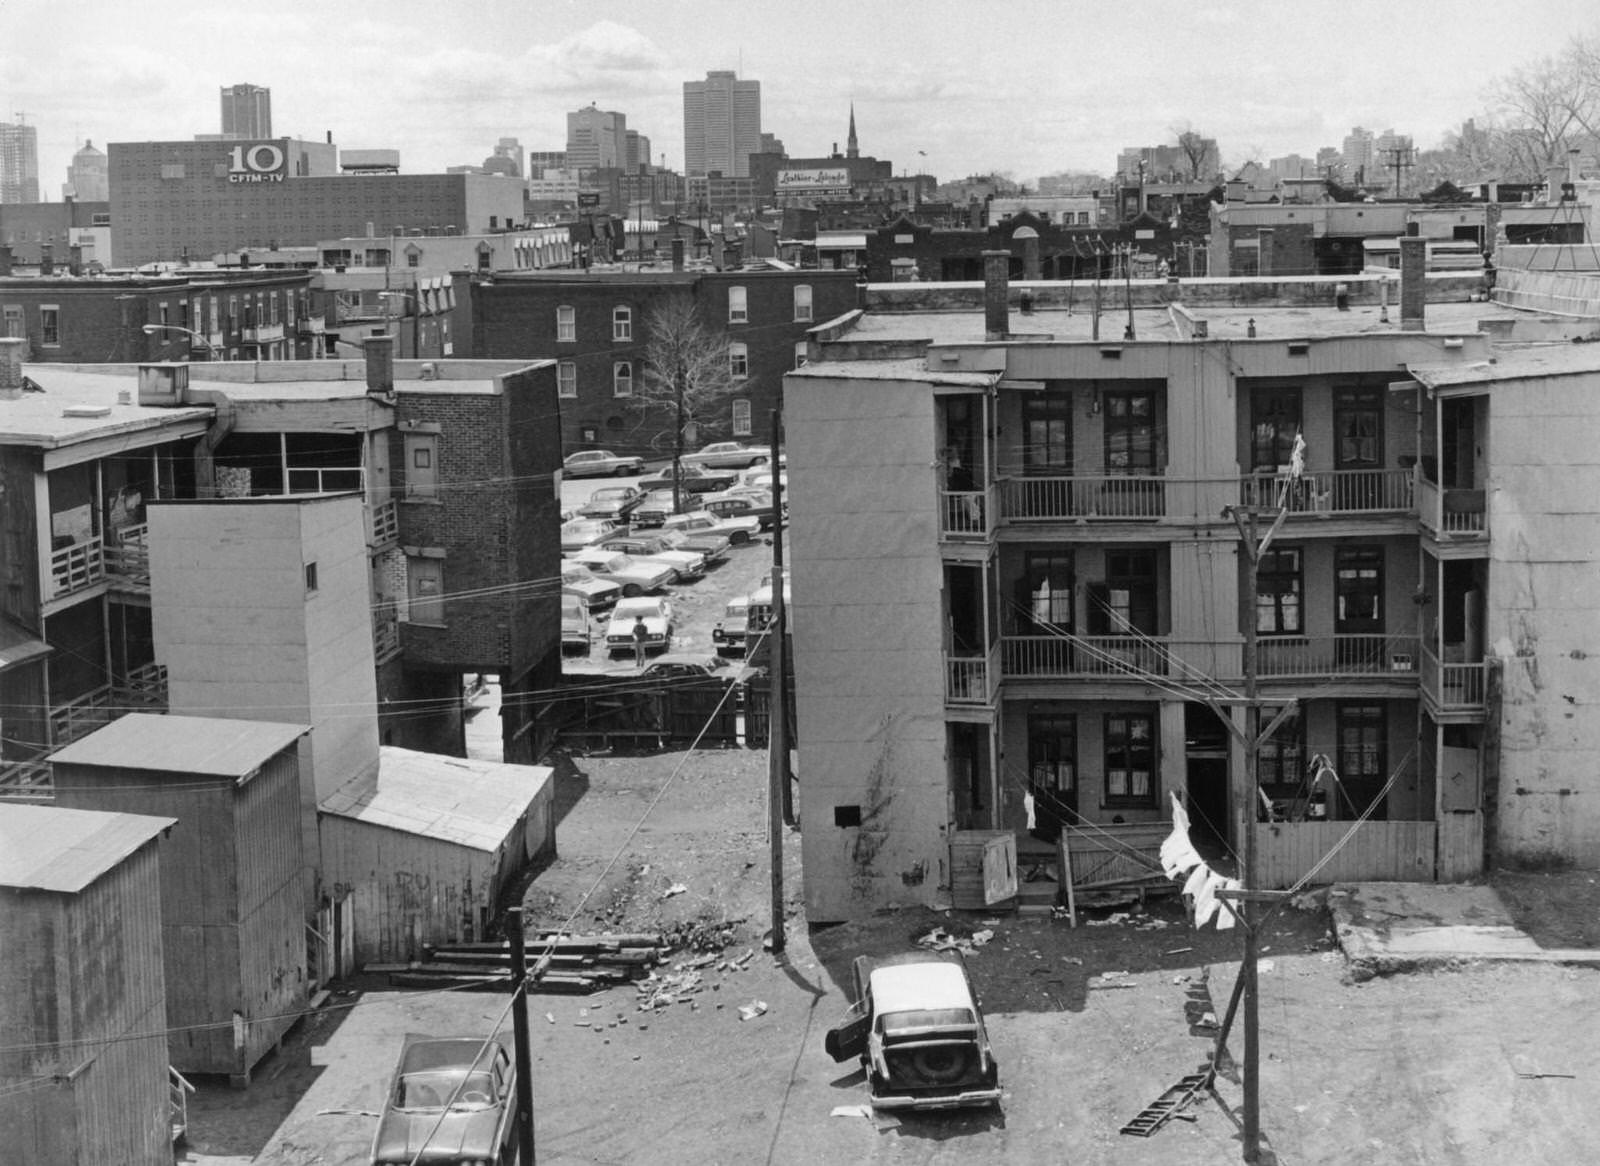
(687, 979)
(941, 940)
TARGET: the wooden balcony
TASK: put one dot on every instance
(1453, 688)
(1452, 514)
(1118, 497)
(966, 515)
(127, 557)
(1331, 657)
(1057, 657)
(1332, 492)
(76, 567)
(972, 680)
(144, 689)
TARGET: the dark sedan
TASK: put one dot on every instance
(695, 480)
(476, 1080)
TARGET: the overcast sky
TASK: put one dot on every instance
(1029, 86)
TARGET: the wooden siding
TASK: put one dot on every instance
(1379, 852)
(1460, 846)
(86, 967)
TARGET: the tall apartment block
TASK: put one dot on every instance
(246, 111)
(721, 124)
(19, 163)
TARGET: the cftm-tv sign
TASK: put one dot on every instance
(261, 162)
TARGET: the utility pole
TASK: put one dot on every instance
(519, 1027)
(778, 804)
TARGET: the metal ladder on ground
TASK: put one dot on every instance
(1171, 1103)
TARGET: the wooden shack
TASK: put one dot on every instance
(81, 986)
(424, 847)
(232, 892)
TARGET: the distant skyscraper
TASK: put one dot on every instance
(246, 111)
(19, 163)
(721, 124)
(1358, 154)
(88, 179)
(638, 159)
(597, 138)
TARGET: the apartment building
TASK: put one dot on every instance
(454, 462)
(1021, 583)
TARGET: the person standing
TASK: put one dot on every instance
(640, 634)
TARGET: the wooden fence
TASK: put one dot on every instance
(1378, 852)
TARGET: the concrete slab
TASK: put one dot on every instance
(1385, 928)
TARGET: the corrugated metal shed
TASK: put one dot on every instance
(449, 799)
(46, 848)
(208, 746)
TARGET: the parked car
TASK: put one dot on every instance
(758, 609)
(476, 1080)
(757, 506)
(653, 509)
(685, 666)
(657, 616)
(575, 633)
(760, 477)
(585, 532)
(728, 455)
(915, 1023)
(634, 576)
(690, 565)
(612, 502)
(693, 480)
(729, 633)
(600, 463)
(578, 582)
(735, 529)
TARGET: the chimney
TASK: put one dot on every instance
(1030, 257)
(5, 259)
(47, 264)
(677, 254)
(11, 348)
(75, 259)
(380, 365)
(1413, 283)
(1264, 251)
(996, 290)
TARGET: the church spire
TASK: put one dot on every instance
(851, 149)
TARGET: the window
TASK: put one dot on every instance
(567, 379)
(422, 460)
(622, 379)
(1361, 761)
(311, 578)
(1358, 590)
(801, 354)
(413, 258)
(738, 306)
(1083, 218)
(566, 323)
(1274, 421)
(741, 418)
(802, 301)
(1047, 434)
(738, 361)
(13, 321)
(1130, 740)
(49, 324)
(1044, 592)
(1281, 759)
(1130, 432)
(161, 312)
(1278, 591)
(425, 589)
(622, 323)
(1126, 603)
(1358, 428)
(1053, 770)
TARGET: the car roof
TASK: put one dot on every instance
(444, 1052)
(919, 985)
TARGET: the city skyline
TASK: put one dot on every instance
(945, 94)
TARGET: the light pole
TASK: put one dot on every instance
(152, 329)
(416, 318)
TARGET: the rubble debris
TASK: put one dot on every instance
(941, 940)
(674, 889)
(558, 963)
(752, 1010)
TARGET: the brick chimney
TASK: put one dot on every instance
(75, 259)
(1413, 283)
(380, 365)
(1030, 257)
(996, 291)
(6, 259)
(47, 264)
(677, 253)
(11, 350)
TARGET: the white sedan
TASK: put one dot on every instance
(600, 463)
(729, 455)
(657, 617)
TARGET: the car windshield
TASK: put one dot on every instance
(901, 1025)
(430, 1090)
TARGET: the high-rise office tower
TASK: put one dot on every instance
(596, 138)
(19, 162)
(721, 124)
(88, 178)
(246, 111)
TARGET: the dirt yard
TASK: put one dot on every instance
(1090, 1024)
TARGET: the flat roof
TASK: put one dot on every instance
(41, 419)
(449, 799)
(1514, 362)
(213, 746)
(48, 848)
(902, 369)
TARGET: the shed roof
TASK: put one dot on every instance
(47, 848)
(449, 799)
(18, 645)
(214, 746)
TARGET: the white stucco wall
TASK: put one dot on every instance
(1544, 612)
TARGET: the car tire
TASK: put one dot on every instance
(760, 461)
(940, 1065)
(739, 537)
(632, 591)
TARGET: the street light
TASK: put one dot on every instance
(416, 318)
(152, 329)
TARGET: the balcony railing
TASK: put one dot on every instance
(326, 479)
(1281, 657)
(972, 680)
(1452, 513)
(1329, 492)
(1048, 657)
(385, 637)
(74, 567)
(385, 523)
(27, 779)
(1087, 496)
(966, 514)
(127, 556)
(263, 333)
(1453, 687)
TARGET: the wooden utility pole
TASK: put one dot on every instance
(778, 806)
(1247, 862)
(519, 1027)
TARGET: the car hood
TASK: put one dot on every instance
(460, 1135)
(589, 588)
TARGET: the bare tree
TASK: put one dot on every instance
(687, 381)
(1543, 109)
(1199, 152)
